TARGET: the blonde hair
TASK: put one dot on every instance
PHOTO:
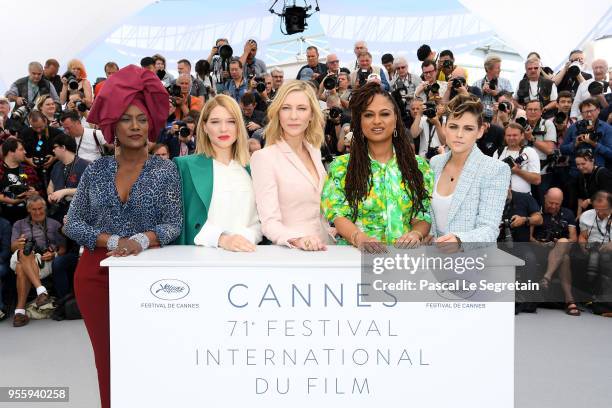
(75, 63)
(490, 61)
(240, 149)
(314, 131)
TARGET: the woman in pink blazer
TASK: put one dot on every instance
(288, 174)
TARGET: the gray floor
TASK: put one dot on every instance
(561, 361)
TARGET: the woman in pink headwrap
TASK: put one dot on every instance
(123, 204)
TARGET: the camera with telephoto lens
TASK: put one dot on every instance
(522, 121)
(574, 69)
(507, 226)
(261, 84)
(556, 231)
(362, 76)
(493, 84)
(15, 190)
(183, 130)
(505, 106)
(21, 113)
(330, 82)
(522, 158)
(39, 161)
(458, 82)
(73, 84)
(80, 106)
(335, 112)
(430, 110)
(556, 159)
(431, 152)
(585, 127)
(433, 88)
(29, 247)
(174, 91)
(448, 64)
(560, 118)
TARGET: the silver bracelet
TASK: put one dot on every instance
(142, 239)
(112, 242)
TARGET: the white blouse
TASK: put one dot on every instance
(441, 205)
(232, 206)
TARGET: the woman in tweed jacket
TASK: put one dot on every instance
(470, 188)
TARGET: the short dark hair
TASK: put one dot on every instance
(427, 63)
(586, 154)
(386, 58)
(589, 101)
(447, 53)
(147, 62)
(63, 140)
(37, 115)
(159, 57)
(236, 61)
(565, 94)
(423, 52)
(70, 114)
(312, 47)
(10, 145)
(111, 64)
(248, 99)
(462, 104)
(575, 52)
(601, 193)
(184, 61)
(52, 61)
(501, 93)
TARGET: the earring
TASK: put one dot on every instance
(395, 132)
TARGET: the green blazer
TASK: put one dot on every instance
(196, 172)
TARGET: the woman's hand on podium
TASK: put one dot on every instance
(126, 247)
(309, 243)
(369, 244)
(236, 243)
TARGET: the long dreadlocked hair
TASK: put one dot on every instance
(358, 181)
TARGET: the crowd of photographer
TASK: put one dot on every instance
(552, 130)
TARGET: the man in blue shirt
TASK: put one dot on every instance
(237, 85)
(597, 137)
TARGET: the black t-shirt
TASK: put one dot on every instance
(12, 177)
(492, 140)
(558, 223)
(39, 147)
(571, 84)
(523, 205)
(600, 179)
(257, 117)
(329, 148)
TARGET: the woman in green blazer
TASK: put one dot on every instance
(218, 198)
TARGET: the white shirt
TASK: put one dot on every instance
(533, 91)
(89, 150)
(589, 221)
(424, 137)
(441, 205)
(582, 93)
(550, 135)
(232, 206)
(531, 165)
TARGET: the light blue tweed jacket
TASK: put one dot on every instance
(478, 202)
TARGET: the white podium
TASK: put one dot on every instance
(196, 327)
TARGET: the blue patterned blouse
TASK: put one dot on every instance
(154, 203)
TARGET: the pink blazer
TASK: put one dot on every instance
(288, 199)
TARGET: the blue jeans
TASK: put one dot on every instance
(63, 273)
(4, 269)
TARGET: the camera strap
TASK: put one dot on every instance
(95, 136)
(44, 229)
(432, 129)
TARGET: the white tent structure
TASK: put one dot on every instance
(552, 28)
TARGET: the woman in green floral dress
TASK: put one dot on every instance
(379, 194)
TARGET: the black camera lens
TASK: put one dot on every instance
(430, 110)
(174, 90)
(504, 106)
(331, 82)
(447, 64)
(560, 117)
(225, 52)
(261, 87)
(493, 84)
(457, 83)
(521, 121)
(573, 71)
(184, 131)
(434, 88)
(81, 107)
(335, 112)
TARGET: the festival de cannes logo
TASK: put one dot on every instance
(170, 289)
